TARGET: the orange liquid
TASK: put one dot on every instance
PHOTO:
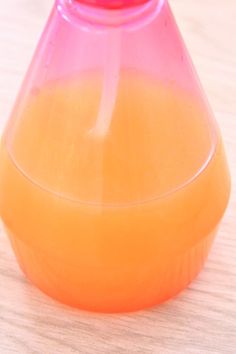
(118, 222)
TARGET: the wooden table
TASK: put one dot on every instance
(202, 319)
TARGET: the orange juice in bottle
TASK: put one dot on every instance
(113, 177)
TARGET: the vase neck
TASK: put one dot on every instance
(112, 4)
(109, 17)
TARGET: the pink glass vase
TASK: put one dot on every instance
(113, 177)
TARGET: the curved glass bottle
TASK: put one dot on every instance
(113, 177)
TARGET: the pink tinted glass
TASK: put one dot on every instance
(113, 177)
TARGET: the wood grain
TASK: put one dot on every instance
(200, 320)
